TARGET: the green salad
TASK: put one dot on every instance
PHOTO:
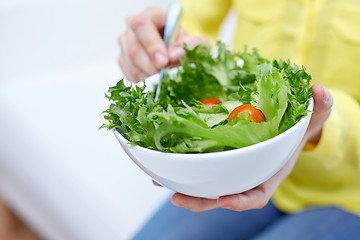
(198, 108)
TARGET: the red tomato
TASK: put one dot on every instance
(256, 115)
(211, 101)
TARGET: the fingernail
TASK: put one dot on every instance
(177, 53)
(326, 94)
(160, 60)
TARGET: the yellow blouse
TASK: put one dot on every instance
(323, 35)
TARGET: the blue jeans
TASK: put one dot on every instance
(320, 223)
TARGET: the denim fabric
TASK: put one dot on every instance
(325, 223)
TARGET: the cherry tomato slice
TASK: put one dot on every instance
(255, 115)
(211, 101)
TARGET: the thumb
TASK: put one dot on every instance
(176, 50)
(323, 102)
(322, 98)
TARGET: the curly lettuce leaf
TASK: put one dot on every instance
(180, 123)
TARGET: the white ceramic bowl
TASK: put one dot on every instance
(211, 175)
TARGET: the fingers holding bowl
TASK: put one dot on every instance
(193, 204)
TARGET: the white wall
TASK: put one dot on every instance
(40, 35)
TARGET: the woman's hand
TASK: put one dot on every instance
(259, 196)
(143, 51)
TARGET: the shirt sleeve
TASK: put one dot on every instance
(340, 139)
(204, 17)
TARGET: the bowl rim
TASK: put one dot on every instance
(303, 120)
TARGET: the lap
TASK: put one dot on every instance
(171, 222)
(326, 223)
(268, 223)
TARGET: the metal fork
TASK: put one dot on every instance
(170, 32)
